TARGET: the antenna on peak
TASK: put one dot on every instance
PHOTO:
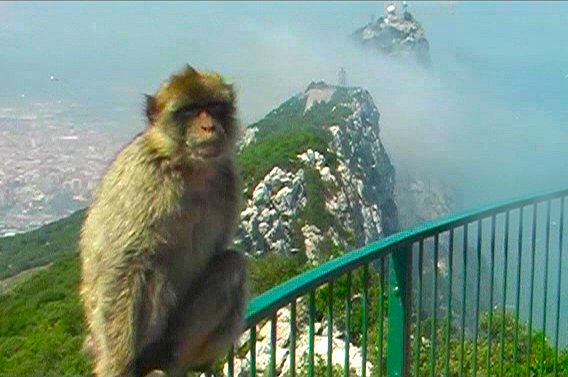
(342, 77)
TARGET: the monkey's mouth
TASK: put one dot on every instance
(208, 150)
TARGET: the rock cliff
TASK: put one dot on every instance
(335, 185)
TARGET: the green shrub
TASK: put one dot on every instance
(272, 269)
(41, 328)
(256, 160)
(488, 361)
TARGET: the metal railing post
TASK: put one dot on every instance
(399, 312)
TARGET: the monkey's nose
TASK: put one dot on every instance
(207, 128)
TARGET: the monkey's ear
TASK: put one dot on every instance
(151, 108)
(190, 69)
(233, 92)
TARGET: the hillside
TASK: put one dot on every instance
(39, 247)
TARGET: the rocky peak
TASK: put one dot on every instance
(397, 33)
(337, 192)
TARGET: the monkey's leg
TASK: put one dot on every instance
(132, 304)
(114, 322)
(209, 319)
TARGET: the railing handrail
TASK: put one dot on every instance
(268, 302)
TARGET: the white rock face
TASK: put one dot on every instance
(267, 217)
(247, 137)
(312, 237)
(359, 186)
(312, 158)
(364, 175)
(317, 160)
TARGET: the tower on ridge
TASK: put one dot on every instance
(342, 77)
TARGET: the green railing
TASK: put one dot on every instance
(480, 293)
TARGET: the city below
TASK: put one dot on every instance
(50, 163)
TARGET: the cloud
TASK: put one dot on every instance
(456, 126)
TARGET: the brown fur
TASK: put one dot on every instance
(159, 287)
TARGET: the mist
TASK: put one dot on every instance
(488, 117)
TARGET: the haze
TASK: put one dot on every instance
(491, 115)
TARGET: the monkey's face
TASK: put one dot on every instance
(195, 110)
(204, 129)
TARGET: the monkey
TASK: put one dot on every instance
(160, 287)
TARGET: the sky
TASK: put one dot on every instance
(492, 112)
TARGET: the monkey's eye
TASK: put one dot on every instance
(216, 109)
(186, 112)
